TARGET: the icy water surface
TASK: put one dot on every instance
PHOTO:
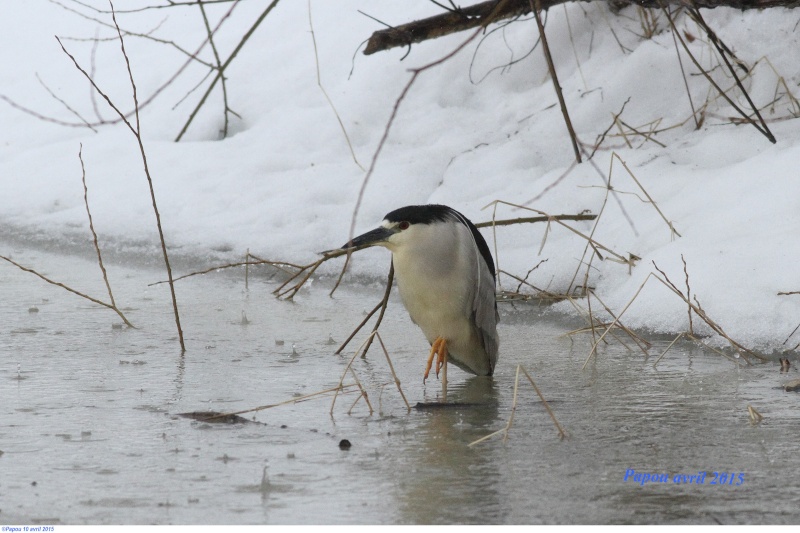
(90, 430)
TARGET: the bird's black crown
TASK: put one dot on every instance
(423, 214)
(431, 213)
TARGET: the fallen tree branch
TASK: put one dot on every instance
(476, 15)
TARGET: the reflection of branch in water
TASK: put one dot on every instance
(562, 434)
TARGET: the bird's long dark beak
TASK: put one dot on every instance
(370, 238)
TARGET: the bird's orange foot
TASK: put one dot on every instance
(438, 349)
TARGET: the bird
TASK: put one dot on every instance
(446, 279)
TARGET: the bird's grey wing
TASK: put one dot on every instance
(484, 312)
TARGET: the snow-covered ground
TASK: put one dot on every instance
(484, 125)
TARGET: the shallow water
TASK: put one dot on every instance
(90, 432)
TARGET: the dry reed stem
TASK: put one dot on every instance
(358, 328)
(755, 416)
(494, 244)
(588, 243)
(702, 314)
(562, 434)
(669, 224)
(648, 136)
(699, 341)
(643, 345)
(655, 364)
(528, 273)
(685, 81)
(547, 294)
(694, 12)
(588, 317)
(383, 305)
(510, 418)
(764, 131)
(602, 136)
(363, 394)
(594, 244)
(276, 264)
(522, 220)
(341, 380)
(688, 295)
(593, 351)
(138, 135)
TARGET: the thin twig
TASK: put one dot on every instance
(384, 304)
(324, 92)
(69, 289)
(688, 295)
(414, 74)
(218, 67)
(551, 67)
(221, 70)
(363, 393)
(358, 328)
(702, 314)
(533, 220)
(94, 238)
(138, 134)
(672, 229)
(721, 48)
(593, 351)
(722, 93)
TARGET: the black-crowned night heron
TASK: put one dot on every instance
(446, 279)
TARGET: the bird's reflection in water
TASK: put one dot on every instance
(443, 472)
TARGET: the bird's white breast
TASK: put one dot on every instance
(438, 290)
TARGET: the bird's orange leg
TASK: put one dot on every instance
(438, 349)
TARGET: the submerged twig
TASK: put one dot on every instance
(286, 402)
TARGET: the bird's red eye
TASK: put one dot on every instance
(403, 225)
